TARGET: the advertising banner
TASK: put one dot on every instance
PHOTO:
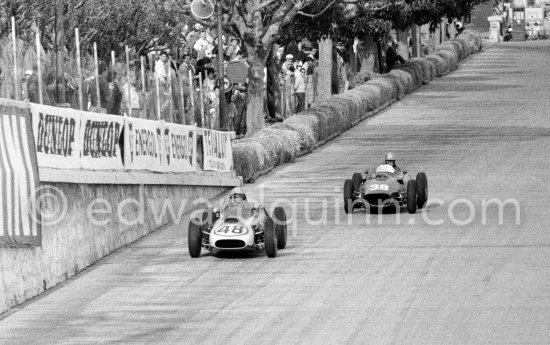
(180, 148)
(19, 220)
(144, 145)
(218, 153)
(56, 132)
(100, 141)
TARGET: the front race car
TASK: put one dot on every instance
(237, 229)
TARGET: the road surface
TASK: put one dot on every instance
(481, 134)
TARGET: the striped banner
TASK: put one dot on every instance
(19, 223)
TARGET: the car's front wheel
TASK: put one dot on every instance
(279, 216)
(421, 189)
(411, 196)
(270, 238)
(357, 179)
(348, 196)
(194, 237)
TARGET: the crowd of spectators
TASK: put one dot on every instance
(178, 84)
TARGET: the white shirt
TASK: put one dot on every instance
(160, 69)
(299, 84)
(134, 96)
(201, 44)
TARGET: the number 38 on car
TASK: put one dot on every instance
(385, 187)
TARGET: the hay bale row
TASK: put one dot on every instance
(282, 142)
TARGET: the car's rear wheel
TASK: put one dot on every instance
(270, 238)
(348, 196)
(357, 181)
(411, 196)
(421, 189)
(279, 216)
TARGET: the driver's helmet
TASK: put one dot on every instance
(237, 195)
(390, 159)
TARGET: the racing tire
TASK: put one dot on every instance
(357, 181)
(279, 215)
(421, 189)
(270, 238)
(348, 196)
(194, 236)
(411, 196)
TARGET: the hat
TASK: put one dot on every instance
(290, 56)
(28, 72)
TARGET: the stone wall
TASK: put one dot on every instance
(78, 240)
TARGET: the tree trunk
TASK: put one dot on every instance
(443, 29)
(403, 40)
(324, 82)
(334, 79)
(272, 87)
(256, 89)
(59, 56)
(437, 37)
(416, 41)
(368, 51)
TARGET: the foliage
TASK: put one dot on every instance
(347, 19)
(142, 25)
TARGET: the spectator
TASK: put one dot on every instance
(161, 67)
(130, 97)
(192, 37)
(535, 33)
(193, 64)
(202, 66)
(392, 57)
(183, 70)
(314, 53)
(459, 27)
(342, 60)
(301, 56)
(210, 81)
(300, 90)
(452, 31)
(288, 66)
(202, 46)
(233, 48)
(30, 87)
(279, 55)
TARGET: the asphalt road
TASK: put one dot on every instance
(480, 133)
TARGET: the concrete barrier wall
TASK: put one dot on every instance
(77, 240)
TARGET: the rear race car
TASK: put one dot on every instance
(237, 229)
(383, 189)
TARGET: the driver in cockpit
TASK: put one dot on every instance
(237, 198)
(390, 160)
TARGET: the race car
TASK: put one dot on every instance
(384, 188)
(239, 226)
